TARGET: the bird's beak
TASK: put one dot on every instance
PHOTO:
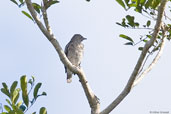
(84, 38)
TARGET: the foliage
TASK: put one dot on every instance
(36, 6)
(147, 8)
(139, 5)
(13, 93)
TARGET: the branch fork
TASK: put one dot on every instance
(49, 35)
(133, 80)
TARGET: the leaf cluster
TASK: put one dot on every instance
(142, 6)
(37, 7)
(139, 5)
(13, 93)
(129, 22)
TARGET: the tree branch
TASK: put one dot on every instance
(148, 69)
(45, 17)
(132, 78)
(92, 99)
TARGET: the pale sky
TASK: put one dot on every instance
(107, 63)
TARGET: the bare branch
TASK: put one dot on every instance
(148, 69)
(45, 17)
(132, 78)
(92, 99)
(142, 66)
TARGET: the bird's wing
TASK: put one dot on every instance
(68, 47)
(66, 53)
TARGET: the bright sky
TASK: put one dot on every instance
(107, 62)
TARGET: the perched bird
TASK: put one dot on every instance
(74, 52)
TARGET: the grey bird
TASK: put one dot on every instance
(74, 52)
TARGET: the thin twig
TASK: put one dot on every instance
(139, 28)
(141, 69)
(157, 57)
(45, 17)
(141, 40)
(167, 17)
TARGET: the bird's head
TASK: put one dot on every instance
(78, 38)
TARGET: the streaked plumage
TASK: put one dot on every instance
(74, 51)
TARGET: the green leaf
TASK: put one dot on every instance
(18, 111)
(121, 3)
(25, 99)
(5, 86)
(19, 104)
(44, 93)
(130, 20)
(16, 96)
(22, 107)
(5, 92)
(140, 48)
(148, 23)
(23, 83)
(50, 3)
(21, 5)
(4, 113)
(155, 3)
(28, 15)
(149, 36)
(139, 6)
(129, 43)
(13, 86)
(156, 49)
(31, 81)
(126, 37)
(8, 102)
(43, 111)
(132, 4)
(148, 3)
(14, 2)
(36, 89)
(34, 113)
(145, 41)
(54, 2)
(7, 108)
(136, 24)
(127, 1)
(37, 7)
(33, 78)
(12, 112)
(21, 1)
(142, 2)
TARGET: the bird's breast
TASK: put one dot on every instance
(75, 56)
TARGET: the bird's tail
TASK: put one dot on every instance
(69, 76)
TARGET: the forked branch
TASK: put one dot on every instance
(133, 76)
(148, 69)
(92, 99)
